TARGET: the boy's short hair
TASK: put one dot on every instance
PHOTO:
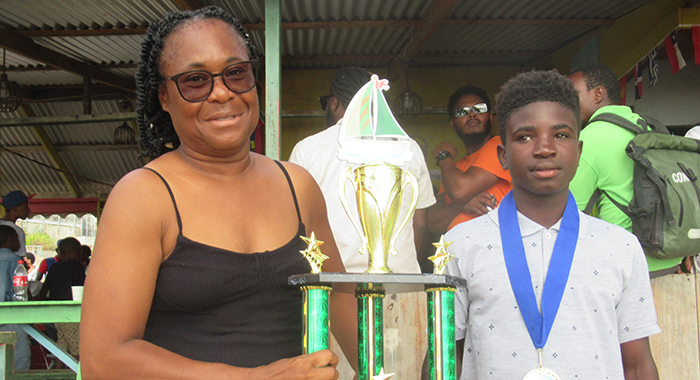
(6, 232)
(532, 87)
(601, 76)
(69, 245)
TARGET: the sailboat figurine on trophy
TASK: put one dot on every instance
(371, 137)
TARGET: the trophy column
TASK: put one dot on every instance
(316, 322)
(441, 333)
(370, 330)
(441, 319)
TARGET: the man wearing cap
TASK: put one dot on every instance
(16, 204)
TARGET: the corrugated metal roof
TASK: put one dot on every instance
(544, 9)
(48, 14)
(89, 150)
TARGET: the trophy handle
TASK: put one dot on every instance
(407, 177)
(342, 181)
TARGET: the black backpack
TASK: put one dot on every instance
(665, 208)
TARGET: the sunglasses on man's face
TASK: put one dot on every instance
(476, 109)
(324, 101)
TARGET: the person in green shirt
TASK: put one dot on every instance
(604, 164)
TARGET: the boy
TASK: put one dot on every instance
(536, 251)
(65, 273)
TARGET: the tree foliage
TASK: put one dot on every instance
(41, 238)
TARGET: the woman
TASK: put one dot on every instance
(188, 276)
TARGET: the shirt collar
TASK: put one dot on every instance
(529, 227)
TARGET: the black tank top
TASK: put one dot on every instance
(216, 305)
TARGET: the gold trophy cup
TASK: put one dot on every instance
(378, 189)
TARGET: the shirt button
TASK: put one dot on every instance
(548, 235)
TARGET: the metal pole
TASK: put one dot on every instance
(273, 67)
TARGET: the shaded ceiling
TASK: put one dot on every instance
(74, 57)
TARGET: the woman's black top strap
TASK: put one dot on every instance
(291, 187)
(177, 212)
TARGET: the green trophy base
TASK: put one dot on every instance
(370, 289)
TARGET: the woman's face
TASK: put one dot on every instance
(219, 126)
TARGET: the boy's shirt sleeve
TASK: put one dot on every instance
(636, 315)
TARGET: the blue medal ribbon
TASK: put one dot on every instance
(538, 325)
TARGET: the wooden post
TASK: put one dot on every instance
(676, 349)
(7, 353)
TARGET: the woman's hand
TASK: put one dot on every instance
(318, 365)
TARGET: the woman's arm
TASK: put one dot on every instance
(343, 306)
(137, 227)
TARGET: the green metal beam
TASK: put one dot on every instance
(273, 85)
(39, 312)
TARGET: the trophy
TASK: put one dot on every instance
(375, 147)
(378, 189)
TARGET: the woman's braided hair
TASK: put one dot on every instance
(156, 132)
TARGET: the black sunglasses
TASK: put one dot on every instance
(195, 86)
(324, 101)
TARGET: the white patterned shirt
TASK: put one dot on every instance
(607, 300)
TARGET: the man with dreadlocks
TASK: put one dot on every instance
(195, 286)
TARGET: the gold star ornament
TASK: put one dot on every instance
(313, 253)
(441, 257)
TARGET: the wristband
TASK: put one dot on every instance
(441, 155)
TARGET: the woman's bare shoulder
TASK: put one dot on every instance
(299, 174)
(141, 191)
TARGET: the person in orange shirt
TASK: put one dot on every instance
(475, 184)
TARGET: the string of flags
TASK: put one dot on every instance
(675, 57)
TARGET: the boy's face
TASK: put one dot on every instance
(541, 148)
(14, 243)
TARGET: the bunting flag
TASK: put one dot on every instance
(623, 90)
(696, 43)
(637, 81)
(674, 54)
(654, 68)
